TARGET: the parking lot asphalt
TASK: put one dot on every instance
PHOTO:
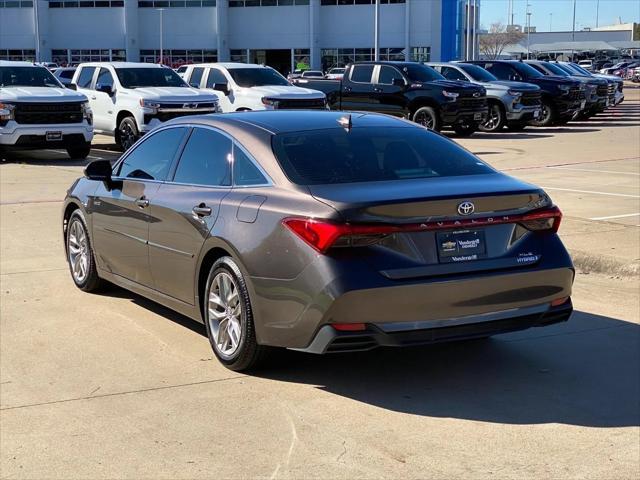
(115, 386)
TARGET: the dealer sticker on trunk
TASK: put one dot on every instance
(461, 246)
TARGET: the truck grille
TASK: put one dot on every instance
(291, 104)
(575, 94)
(531, 99)
(602, 90)
(472, 103)
(188, 106)
(48, 113)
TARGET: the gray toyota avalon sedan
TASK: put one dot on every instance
(320, 232)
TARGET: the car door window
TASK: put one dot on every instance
(215, 76)
(151, 159)
(452, 74)
(388, 74)
(245, 172)
(503, 72)
(105, 79)
(361, 73)
(205, 159)
(196, 76)
(85, 77)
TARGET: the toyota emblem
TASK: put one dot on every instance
(466, 208)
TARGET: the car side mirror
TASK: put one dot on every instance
(398, 82)
(100, 171)
(72, 86)
(222, 87)
(105, 89)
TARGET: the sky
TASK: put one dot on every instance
(492, 11)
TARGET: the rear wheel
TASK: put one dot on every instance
(427, 117)
(465, 129)
(80, 256)
(79, 152)
(495, 119)
(547, 115)
(229, 318)
(127, 133)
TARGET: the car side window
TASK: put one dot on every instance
(388, 74)
(196, 76)
(361, 73)
(503, 72)
(206, 159)
(85, 77)
(452, 74)
(245, 171)
(105, 79)
(152, 158)
(538, 68)
(215, 76)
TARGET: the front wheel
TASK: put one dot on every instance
(82, 263)
(428, 118)
(495, 119)
(79, 152)
(229, 318)
(547, 116)
(465, 129)
(127, 133)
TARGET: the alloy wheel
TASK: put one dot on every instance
(78, 251)
(426, 120)
(127, 136)
(224, 314)
(493, 119)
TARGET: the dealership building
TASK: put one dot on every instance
(280, 33)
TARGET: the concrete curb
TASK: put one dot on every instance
(589, 263)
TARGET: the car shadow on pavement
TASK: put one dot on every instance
(585, 372)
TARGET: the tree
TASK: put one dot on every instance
(492, 44)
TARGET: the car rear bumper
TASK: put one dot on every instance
(34, 136)
(330, 340)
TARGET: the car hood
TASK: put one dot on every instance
(506, 85)
(173, 94)
(457, 86)
(40, 94)
(286, 92)
(608, 77)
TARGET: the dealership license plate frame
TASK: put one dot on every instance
(477, 116)
(53, 136)
(460, 253)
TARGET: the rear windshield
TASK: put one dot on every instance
(27, 77)
(371, 155)
(256, 77)
(149, 77)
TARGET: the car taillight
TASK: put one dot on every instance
(543, 220)
(324, 234)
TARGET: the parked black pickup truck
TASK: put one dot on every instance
(406, 89)
(561, 97)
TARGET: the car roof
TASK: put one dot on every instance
(286, 121)
(228, 65)
(12, 63)
(123, 65)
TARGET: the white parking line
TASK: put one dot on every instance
(596, 171)
(592, 192)
(616, 216)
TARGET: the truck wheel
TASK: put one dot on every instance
(427, 117)
(127, 133)
(465, 129)
(548, 115)
(495, 119)
(79, 152)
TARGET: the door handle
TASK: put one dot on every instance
(202, 210)
(142, 202)
(377, 90)
(93, 97)
(347, 89)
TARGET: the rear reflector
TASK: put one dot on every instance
(349, 327)
(559, 301)
(323, 234)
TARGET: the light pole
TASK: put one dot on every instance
(36, 25)
(161, 49)
(473, 34)
(376, 31)
(597, 11)
(550, 21)
(573, 30)
(466, 38)
(528, 29)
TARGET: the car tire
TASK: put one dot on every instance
(465, 129)
(496, 119)
(428, 118)
(548, 115)
(516, 126)
(127, 133)
(229, 321)
(79, 152)
(80, 256)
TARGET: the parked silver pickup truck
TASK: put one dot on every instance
(513, 104)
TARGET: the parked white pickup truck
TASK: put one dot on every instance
(242, 87)
(130, 99)
(36, 111)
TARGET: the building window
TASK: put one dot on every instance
(87, 4)
(420, 54)
(66, 57)
(301, 59)
(340, 57)
(239, 56)
(357, 2)
(16, 4)
(18, 55)
(176, 58)
(176, 3)
(266, 3)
